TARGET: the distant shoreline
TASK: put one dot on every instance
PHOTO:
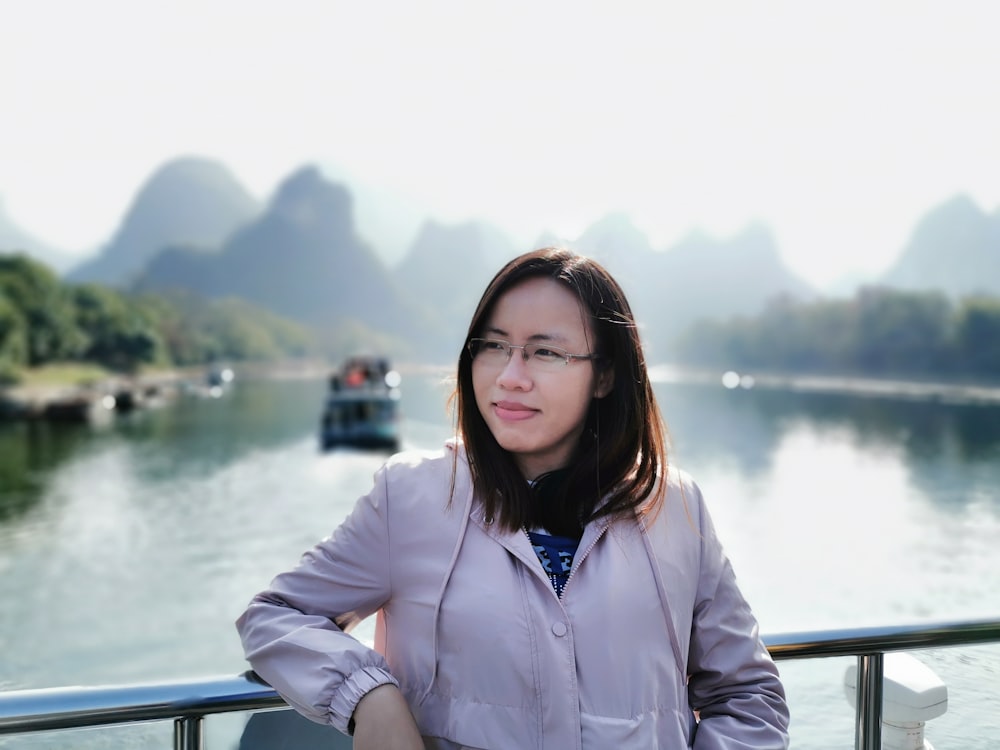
(847, 385)
(29, 397)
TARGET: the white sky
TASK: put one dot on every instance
(838, 124)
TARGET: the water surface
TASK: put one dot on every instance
(127, 551)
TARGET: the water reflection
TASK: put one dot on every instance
(29, 453)
(203, 434)
(708, 424)
(744, 427)
(153, 533)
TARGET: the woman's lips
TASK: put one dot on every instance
(512, 411)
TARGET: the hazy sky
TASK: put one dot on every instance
(838, 124)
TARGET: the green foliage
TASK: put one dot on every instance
(43, 321)
(120, 334)
(46, 306)
(13, 339)
(176, 317)
(805, 338)
(881, 332)
(978, 334)
(350, 336)
(195, 330)
(899, 332)
(246, 332)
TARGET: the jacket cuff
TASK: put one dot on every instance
(351, 691)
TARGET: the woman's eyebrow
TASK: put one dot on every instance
(556, 337)
(548, 337)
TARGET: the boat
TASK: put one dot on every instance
(361, 409)
(85, 407)
(220, 377)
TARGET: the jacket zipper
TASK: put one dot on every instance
(577, 559)
(550, 576)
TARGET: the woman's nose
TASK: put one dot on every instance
(515, 372)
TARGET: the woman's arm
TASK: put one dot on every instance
(733, 684)
(382, 721)
(294, 632)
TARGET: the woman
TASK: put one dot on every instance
(546, 581)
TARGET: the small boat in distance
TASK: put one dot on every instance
(362, 406)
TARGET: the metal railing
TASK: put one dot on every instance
(870, 645)
(188, 702)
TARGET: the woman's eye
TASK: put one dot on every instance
(547, 354)
(495, 346)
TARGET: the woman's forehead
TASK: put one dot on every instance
(538, 307)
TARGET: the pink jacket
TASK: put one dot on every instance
(651, 626)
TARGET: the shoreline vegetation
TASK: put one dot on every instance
(63, 343)
(70, 392)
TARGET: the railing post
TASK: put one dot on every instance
(187, 733)
(868, 713)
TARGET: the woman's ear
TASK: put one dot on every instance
(605, 382)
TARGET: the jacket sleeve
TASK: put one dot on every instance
(733, 682)
(295, 633)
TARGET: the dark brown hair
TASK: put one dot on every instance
(622, 452)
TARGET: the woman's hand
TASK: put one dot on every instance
(382, 721)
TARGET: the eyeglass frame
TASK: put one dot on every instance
(509, 348)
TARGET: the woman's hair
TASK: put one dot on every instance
(622, 452)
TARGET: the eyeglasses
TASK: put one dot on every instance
(540, 357)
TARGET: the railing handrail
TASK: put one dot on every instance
(881, 639)
(43, 709)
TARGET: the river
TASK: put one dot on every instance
(127, 550)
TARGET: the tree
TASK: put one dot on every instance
(880, 332)
(977, 335)
(177, 319)
(902, 332)
(46, 306)
(13, 339)
(119, 334)
(792, 335)
(196, 330)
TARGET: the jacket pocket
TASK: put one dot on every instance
(666, 729)
(474, 726)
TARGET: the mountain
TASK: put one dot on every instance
(306, 256)
(955, 248)
(702, 277)
(698, 277)
(622, 248)
(189, 201)
(451, 266)
(384, 216)
(302, 258)
(14, 239)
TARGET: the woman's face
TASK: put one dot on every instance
(537, 414)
